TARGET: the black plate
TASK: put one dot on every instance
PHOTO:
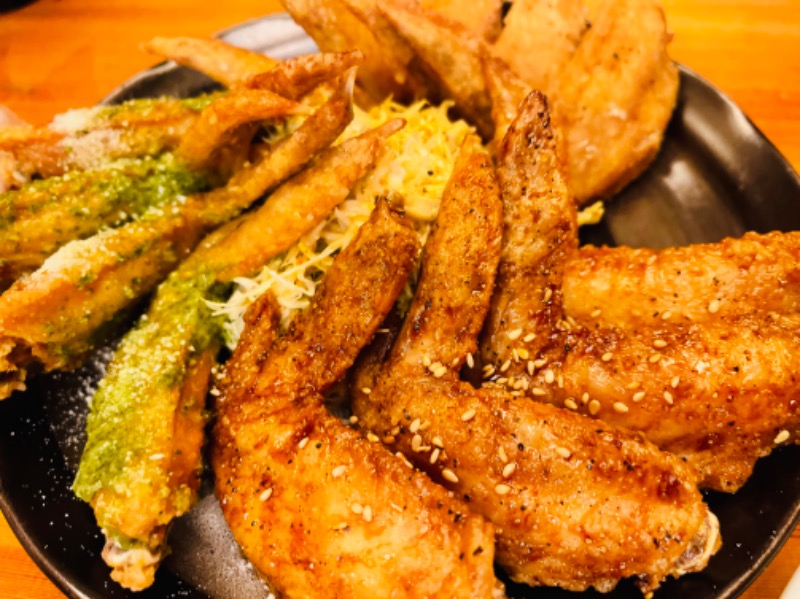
(716, 176)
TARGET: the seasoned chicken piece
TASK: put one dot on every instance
(449, 55)
(704, 383)
(93, 280)
(356, 520)
(576, 503)
(483, 18)
(539, 39)
(230, 65)
(158, 378)
(633, 288)
(41, 216)
(615, 96)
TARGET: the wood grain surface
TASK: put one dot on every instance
(60, 54)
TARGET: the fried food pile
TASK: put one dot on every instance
(510, 398)
(602, 63)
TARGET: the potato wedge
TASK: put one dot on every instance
(540, 37)
(451, 57)
(618, 92)
(230, 65)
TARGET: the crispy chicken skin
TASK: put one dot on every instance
(576, 503)
(93, 280)
(631, 288)
(677, 348)
(320, 510)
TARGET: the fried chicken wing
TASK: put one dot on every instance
(93, 280)
(576, 503)
(358, 521)
(615, 96)
(632, 288)
(688, 346)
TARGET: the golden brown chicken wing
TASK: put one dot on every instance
(320, 510)
(576, 503)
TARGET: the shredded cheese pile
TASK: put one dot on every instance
(416, 164)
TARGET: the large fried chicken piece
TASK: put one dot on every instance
(320, 510)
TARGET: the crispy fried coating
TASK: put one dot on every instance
(540, 37)
(506, 91)
(450, 56)
(93, 280)
(338, 26)
(358, 521)
(223, 62)
(483, 18)
(616, 96)
(631, 288)
(576, 503)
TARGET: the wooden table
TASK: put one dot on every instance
(60, 54)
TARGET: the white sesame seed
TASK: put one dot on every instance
(372, 438)
(620, 407)
(426, 361)
(666, 315)
(570, 403)
(488, 371)
(353, 419)
(548, 293)
(356, 508)
(606, 357)
(782, 437)
(449, 475)
(416, 443)
(266, 494)
(470, 361)
(395, 431)
(659, 344)
(563, 452)
(714, 306)
(637, 397)
(468, 415)
(502, 453)
(367, 515)
(529, 337)
(414, 426)
(668, 397)
(560, 381)
(585, 398)
(502, 380)
(596, 313)
(435, 455)
(519, 384)
(340, 526)
(594, 407)
(509, 470)
(437, 441)
(366, 390)
(435, 366)
(632, 385)
(404, 458)
(549, 376)
(303, 442)
(531, 367)
(502, 489)
(676, 380)
(506, 365)
(338, 471)
(515, 334)
(540, 362)
(523, 353)
(396, 507)
(515, 354)
(654, 358)
(538, 392)
(440, 372)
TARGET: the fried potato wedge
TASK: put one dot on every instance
(616, 96)
(451, 57)
(539, 39)
(220, 121)
(336, 28)
(296, 77)
(229, 65)
(481, 17)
